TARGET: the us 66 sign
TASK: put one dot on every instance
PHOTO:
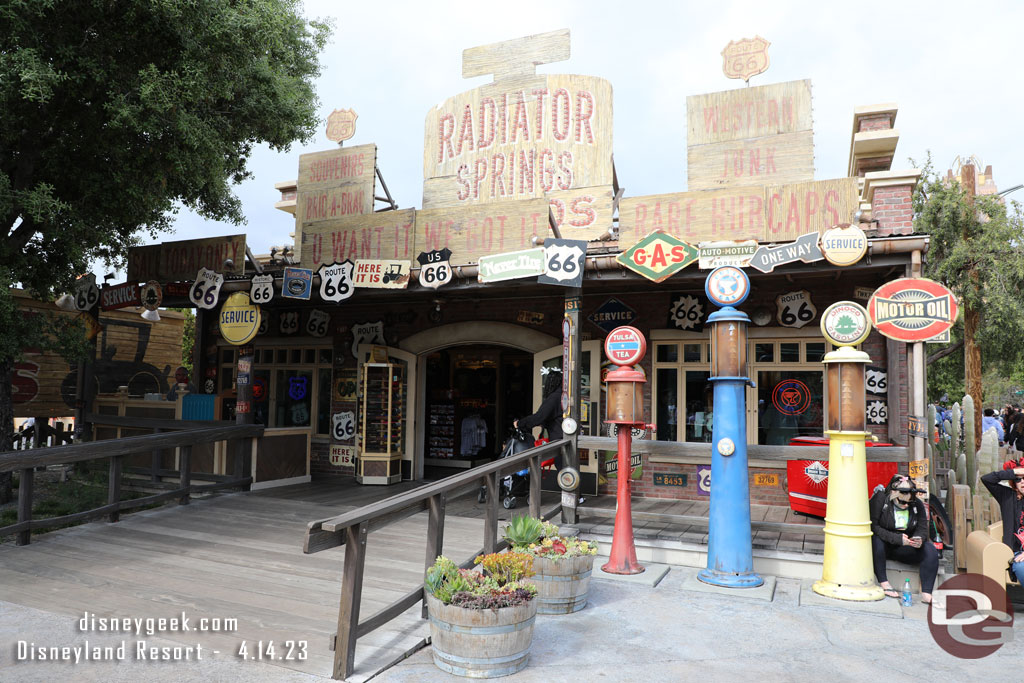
(563, 262)
(435, 268)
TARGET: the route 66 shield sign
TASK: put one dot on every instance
(745, 58)
(341, 124)
(336, 281)
(563, 262)
(435, 268)
(86, 292)
(343, 425)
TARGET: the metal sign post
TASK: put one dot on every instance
(730, 552)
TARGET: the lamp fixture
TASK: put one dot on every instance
(151, 316)
(66, 302)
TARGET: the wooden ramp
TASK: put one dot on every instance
(236, 556)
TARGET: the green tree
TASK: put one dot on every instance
(117, 113)
(977, 250)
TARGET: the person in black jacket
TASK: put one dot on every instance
(899, 527)
(549, 414)
(1011, 504)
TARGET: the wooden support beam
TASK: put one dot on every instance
(491, 514)
(114, 486)
(25, 504)
(185, 463)
(435, 536)
(351, 595)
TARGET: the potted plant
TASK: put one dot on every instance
(481, 622)
(563, 564)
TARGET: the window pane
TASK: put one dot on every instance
(789, 352)
(296, 356)
(282, 356)
(764, 353)
(325, 356)
(261, 396)
(225, 379)
(323, 402)
(815, 351)
(699, 405)
(667, 353)
(267, 358)
(227, 355)
(691, 353)
(668, 402)
(789, 405)
(293, 393)
(309, 356)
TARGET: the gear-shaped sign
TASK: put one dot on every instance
(687, 312)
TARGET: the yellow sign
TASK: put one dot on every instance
(766, 480)
(918, 469)
(844, 245)
(239, 320)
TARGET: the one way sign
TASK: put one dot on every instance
(805, 249)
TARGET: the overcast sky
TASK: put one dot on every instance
(952, 67)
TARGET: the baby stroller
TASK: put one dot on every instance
(517, 484)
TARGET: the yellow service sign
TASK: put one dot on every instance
(239, 319)
(844, 246)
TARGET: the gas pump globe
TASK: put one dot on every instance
(846, 392)
(729, 345)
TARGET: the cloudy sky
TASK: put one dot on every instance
(952, 67)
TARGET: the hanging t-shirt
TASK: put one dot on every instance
(902, 517)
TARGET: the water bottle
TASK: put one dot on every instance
(907, 601)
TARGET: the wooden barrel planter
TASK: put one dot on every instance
(562, 584)
(481, 643)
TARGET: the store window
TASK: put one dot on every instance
(683, 405)
(291, 386)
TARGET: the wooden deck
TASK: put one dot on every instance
(240, 556)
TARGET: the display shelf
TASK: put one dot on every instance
(383, 416)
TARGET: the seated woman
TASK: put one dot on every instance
(899, 524)
(1011, 504)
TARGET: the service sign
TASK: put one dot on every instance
(795, 309)
(239, 320)
(298, 283)
(387, 274)
(658, 256)
(611, 314)
(845, 323)
(206, 288)
(435, 267)
(715, 254)
(120, 296)
(563, 262)
(805, 249)
(912, 309)
(336, 281)
(512, 265)
(261, 289)
(86, 292)
(152, 295)
(844, 245)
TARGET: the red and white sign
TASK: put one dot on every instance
(120, 296)
(912, 309)
(625, 346)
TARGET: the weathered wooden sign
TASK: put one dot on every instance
(171, 261)
(711, 255)
(474, 231)
(341, 124)
(766, 214)
(385, 274)
(658, 256)
(750, 136)
(384, 235)
(335, 183)
(745, 58)
(805, 249)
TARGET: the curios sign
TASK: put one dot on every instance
(912, 309)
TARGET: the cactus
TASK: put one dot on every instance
(928, 453)
(961, 468)
(970, 447)
(988, 453)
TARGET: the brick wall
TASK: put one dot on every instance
(875, 122)
(892, 207)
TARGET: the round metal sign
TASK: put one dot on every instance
(844, 246)
(152, 295)
(845, 323)
(727, 286)
(239, 320)
(625, 346)
(912, 309)
(568, 479)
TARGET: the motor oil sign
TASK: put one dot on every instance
(912, 309)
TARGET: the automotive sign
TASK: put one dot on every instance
(912, 309)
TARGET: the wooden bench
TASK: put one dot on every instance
(988, 555)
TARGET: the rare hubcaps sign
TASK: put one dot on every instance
(912, 309)
(844, 246)
(727, 286)
(658, 256)
(845, 323)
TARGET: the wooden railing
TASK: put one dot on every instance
(115, 450)
(754, 451)
(352, 528)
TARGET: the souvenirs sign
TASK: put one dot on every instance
(845, 323)
(688, 313)
(611, 314)
(318, 322)
(387, 274)
(658, 256)
(179, 260)
(745, 58)
(563, 262)
(795, 309)
(435, 267)
(298, 283)
(805, 249)
(261, 290)
(844, 245)
(239, 320)
(336, 281)
(206, 288)
(152, 295)
(715, 254)
(727, 286)
(121, 296)
(86, 292)
(341, 124)
(512, 265)
(912, 309)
